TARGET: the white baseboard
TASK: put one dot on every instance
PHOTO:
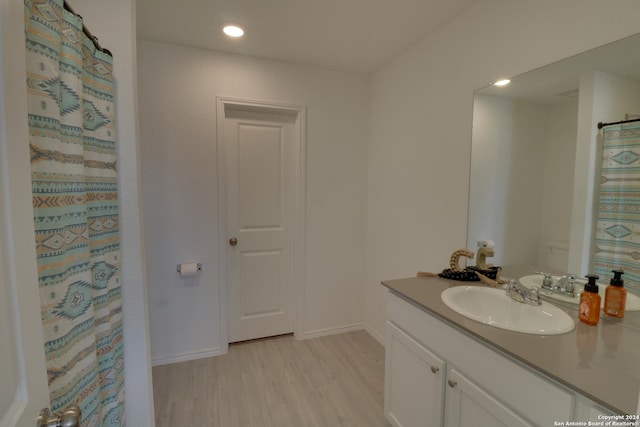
(217, 351)
(375, 335)
(331, 331)
(201, 354)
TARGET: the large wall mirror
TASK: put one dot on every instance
(536, 156)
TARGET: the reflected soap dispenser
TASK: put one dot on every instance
(615, 296)
(589, 309)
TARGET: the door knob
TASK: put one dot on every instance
(70, 417)
(233, 241)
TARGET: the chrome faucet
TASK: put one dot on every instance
(547, 280)
(567, 285)
(564, 286)
(521, 294)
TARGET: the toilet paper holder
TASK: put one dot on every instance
(180, 267)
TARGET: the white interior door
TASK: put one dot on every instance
(259, 149)
(23, 382)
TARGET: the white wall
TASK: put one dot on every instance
(420, 130)
(177, 91)
(113, 22)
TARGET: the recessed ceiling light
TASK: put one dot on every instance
(502, 82)
(233, 31)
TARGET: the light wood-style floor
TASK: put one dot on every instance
(330, 381)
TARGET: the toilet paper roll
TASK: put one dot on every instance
(188, 269)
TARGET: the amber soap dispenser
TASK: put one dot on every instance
(589, 309)
(615, 296)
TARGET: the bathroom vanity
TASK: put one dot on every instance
(443, 369)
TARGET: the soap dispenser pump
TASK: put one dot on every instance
(589, 309)
(615, 296)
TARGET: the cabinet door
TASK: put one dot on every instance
(467, 405)
(414, 382)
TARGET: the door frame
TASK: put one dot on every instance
(299, 111)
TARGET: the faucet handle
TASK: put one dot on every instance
(547, 281)
(547, 276)
(570, 287)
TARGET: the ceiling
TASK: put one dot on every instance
(355, 35)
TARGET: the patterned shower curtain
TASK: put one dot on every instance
(617, 234)
(75, 200)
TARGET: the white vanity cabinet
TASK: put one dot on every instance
(437, 375)
(414, 382)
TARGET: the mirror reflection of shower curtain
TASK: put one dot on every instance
(617, 229)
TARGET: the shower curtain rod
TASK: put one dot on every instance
(601, 124)
(86, 31)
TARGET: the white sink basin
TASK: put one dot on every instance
(494, 307)
(633, 302)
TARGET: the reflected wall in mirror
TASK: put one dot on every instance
(536, 155)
